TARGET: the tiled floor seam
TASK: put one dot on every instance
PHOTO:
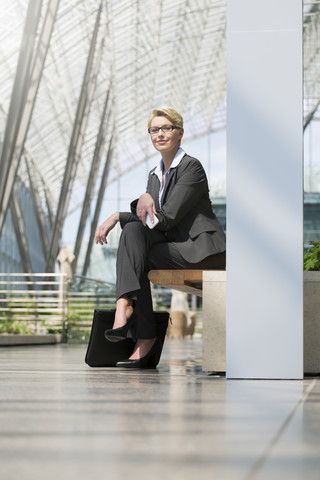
(267, 452)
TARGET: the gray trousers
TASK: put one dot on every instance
(140, 250)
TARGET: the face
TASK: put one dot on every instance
(166, 142)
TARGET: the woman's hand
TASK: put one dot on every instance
(104, 229)
(145, 205)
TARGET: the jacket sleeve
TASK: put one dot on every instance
(126, 217)
(183, 196)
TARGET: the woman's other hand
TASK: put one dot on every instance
(105, 228)
(145, 205)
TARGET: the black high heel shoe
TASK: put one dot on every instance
(150, 360)
(121, 333)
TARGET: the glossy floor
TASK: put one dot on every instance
(60, 419)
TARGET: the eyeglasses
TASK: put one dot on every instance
(164, 128)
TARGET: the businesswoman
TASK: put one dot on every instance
(187, 235)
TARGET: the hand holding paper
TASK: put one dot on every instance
(149, 222)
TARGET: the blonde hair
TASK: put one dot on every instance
(169, 113)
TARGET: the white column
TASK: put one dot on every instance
(264, 331)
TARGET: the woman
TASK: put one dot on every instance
(188, 235)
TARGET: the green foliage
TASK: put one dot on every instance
(9, 326)
(73, 316)
(311, 258)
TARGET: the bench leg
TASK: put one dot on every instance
(214, 321)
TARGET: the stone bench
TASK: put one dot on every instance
(211, 285)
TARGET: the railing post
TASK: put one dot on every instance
(63, 304)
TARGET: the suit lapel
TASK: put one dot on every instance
(167, 185)
(171, 180)
(154, 190)
(155, 185)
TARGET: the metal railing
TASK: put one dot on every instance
(84, 295)
(42, 303)
(33, 303)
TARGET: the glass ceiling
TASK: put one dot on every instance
(79, 78)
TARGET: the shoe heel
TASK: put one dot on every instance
(121, 333)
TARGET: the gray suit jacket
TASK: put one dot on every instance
(185, 215)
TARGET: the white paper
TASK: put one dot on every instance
(148, 221)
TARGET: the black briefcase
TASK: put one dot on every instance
(103, 353)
